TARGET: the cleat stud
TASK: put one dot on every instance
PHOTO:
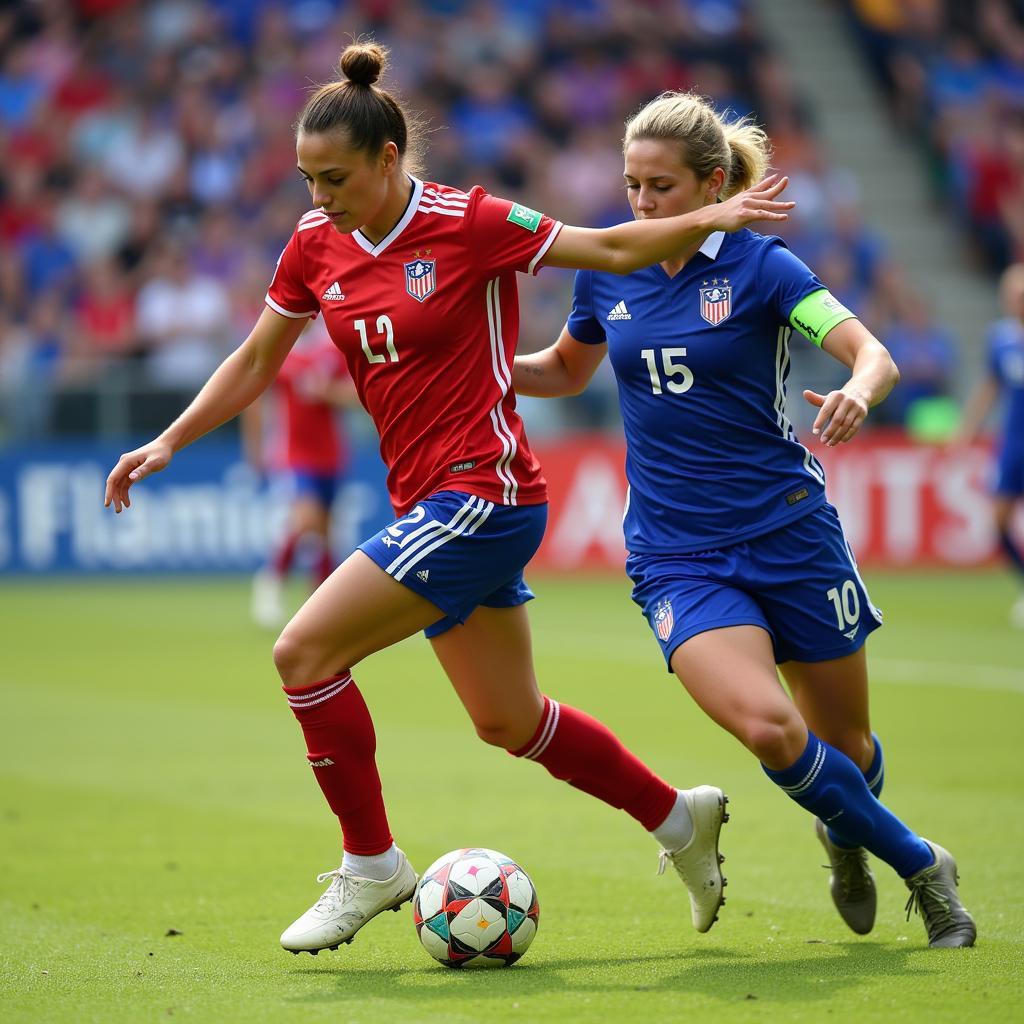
(313, 952)
(725, 881)
(335, 946)
(294, 952)
(721, 858)
(725, 818)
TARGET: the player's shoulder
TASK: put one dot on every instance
(445, 200)
(312, 220)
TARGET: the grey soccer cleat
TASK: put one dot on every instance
(698, 862)
(852, 884)
(934, 895)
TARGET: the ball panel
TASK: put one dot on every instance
(478, 926)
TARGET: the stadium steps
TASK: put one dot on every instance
(823, 57)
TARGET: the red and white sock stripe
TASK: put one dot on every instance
(549, 723)
(310, 696)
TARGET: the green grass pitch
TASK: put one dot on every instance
(159, 826)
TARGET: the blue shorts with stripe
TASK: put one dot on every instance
(800, 583)
(460, 551)
(321, 486)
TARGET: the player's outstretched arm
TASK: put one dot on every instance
(623, 248)
(564, 368)
(239, 380)
(841, 412)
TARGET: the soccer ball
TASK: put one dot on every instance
(475, 905)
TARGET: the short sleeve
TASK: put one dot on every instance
(582, 324)
(288, 294)
(503, 235)
(784, 279)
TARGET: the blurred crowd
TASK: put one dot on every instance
(148, 181)
(953, 71)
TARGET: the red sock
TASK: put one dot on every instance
(323, 566)
(586, 754)
(285, 554)
(341, 745)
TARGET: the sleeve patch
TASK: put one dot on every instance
(524, 217)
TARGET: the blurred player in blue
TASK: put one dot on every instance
(1005, 376)
(738, 562)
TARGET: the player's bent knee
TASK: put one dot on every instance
(299, 662)
(775, 742)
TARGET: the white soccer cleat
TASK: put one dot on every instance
(346, 905)
(698, 862)
(267, 604)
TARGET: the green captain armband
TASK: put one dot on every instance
(816, 314)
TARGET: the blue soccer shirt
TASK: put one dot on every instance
(1006, 364)
(701, 361)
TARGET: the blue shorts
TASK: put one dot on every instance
(460, 551)
(321, 486)
(800, 583)
(1010, 472)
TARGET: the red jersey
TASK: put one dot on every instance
(428, 320)
(307, 436)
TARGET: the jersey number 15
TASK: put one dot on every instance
(678, 376)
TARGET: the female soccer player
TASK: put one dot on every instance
(1005, 374)
(416, 282)
(306, 450)
(738, 562)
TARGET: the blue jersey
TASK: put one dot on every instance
(1006, 364)
(701, 360)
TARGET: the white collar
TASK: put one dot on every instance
(712, 244)
(410, 212)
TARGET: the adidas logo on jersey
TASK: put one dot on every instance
(619, 312)
(424, 574)
(334, 293)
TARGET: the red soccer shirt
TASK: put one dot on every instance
(428, 320)
(306, 433)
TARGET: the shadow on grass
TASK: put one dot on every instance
(717, 973)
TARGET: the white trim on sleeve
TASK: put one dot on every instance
(552, 235)
(285, 312)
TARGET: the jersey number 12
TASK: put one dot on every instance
(672, 370)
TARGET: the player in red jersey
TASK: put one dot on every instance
(416, 282)
(302, 443)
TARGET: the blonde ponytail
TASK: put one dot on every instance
(741, 149)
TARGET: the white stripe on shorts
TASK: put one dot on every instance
(465, 522)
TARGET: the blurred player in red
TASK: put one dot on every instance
(416, 282)
(297, 435)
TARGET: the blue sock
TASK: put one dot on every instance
(874, 775)
(827, 783)
(1012, 552)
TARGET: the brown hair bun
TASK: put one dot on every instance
(363, 63)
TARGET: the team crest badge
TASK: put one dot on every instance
(663, 619)
(420, 278)
(716, 302)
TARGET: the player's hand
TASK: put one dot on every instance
(757, 203)
(130, 469)
(840, 415)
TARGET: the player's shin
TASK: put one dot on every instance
(578, 749)
(827, 783)
(341, 747)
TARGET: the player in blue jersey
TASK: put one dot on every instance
(737, 560)
(1005, 376)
